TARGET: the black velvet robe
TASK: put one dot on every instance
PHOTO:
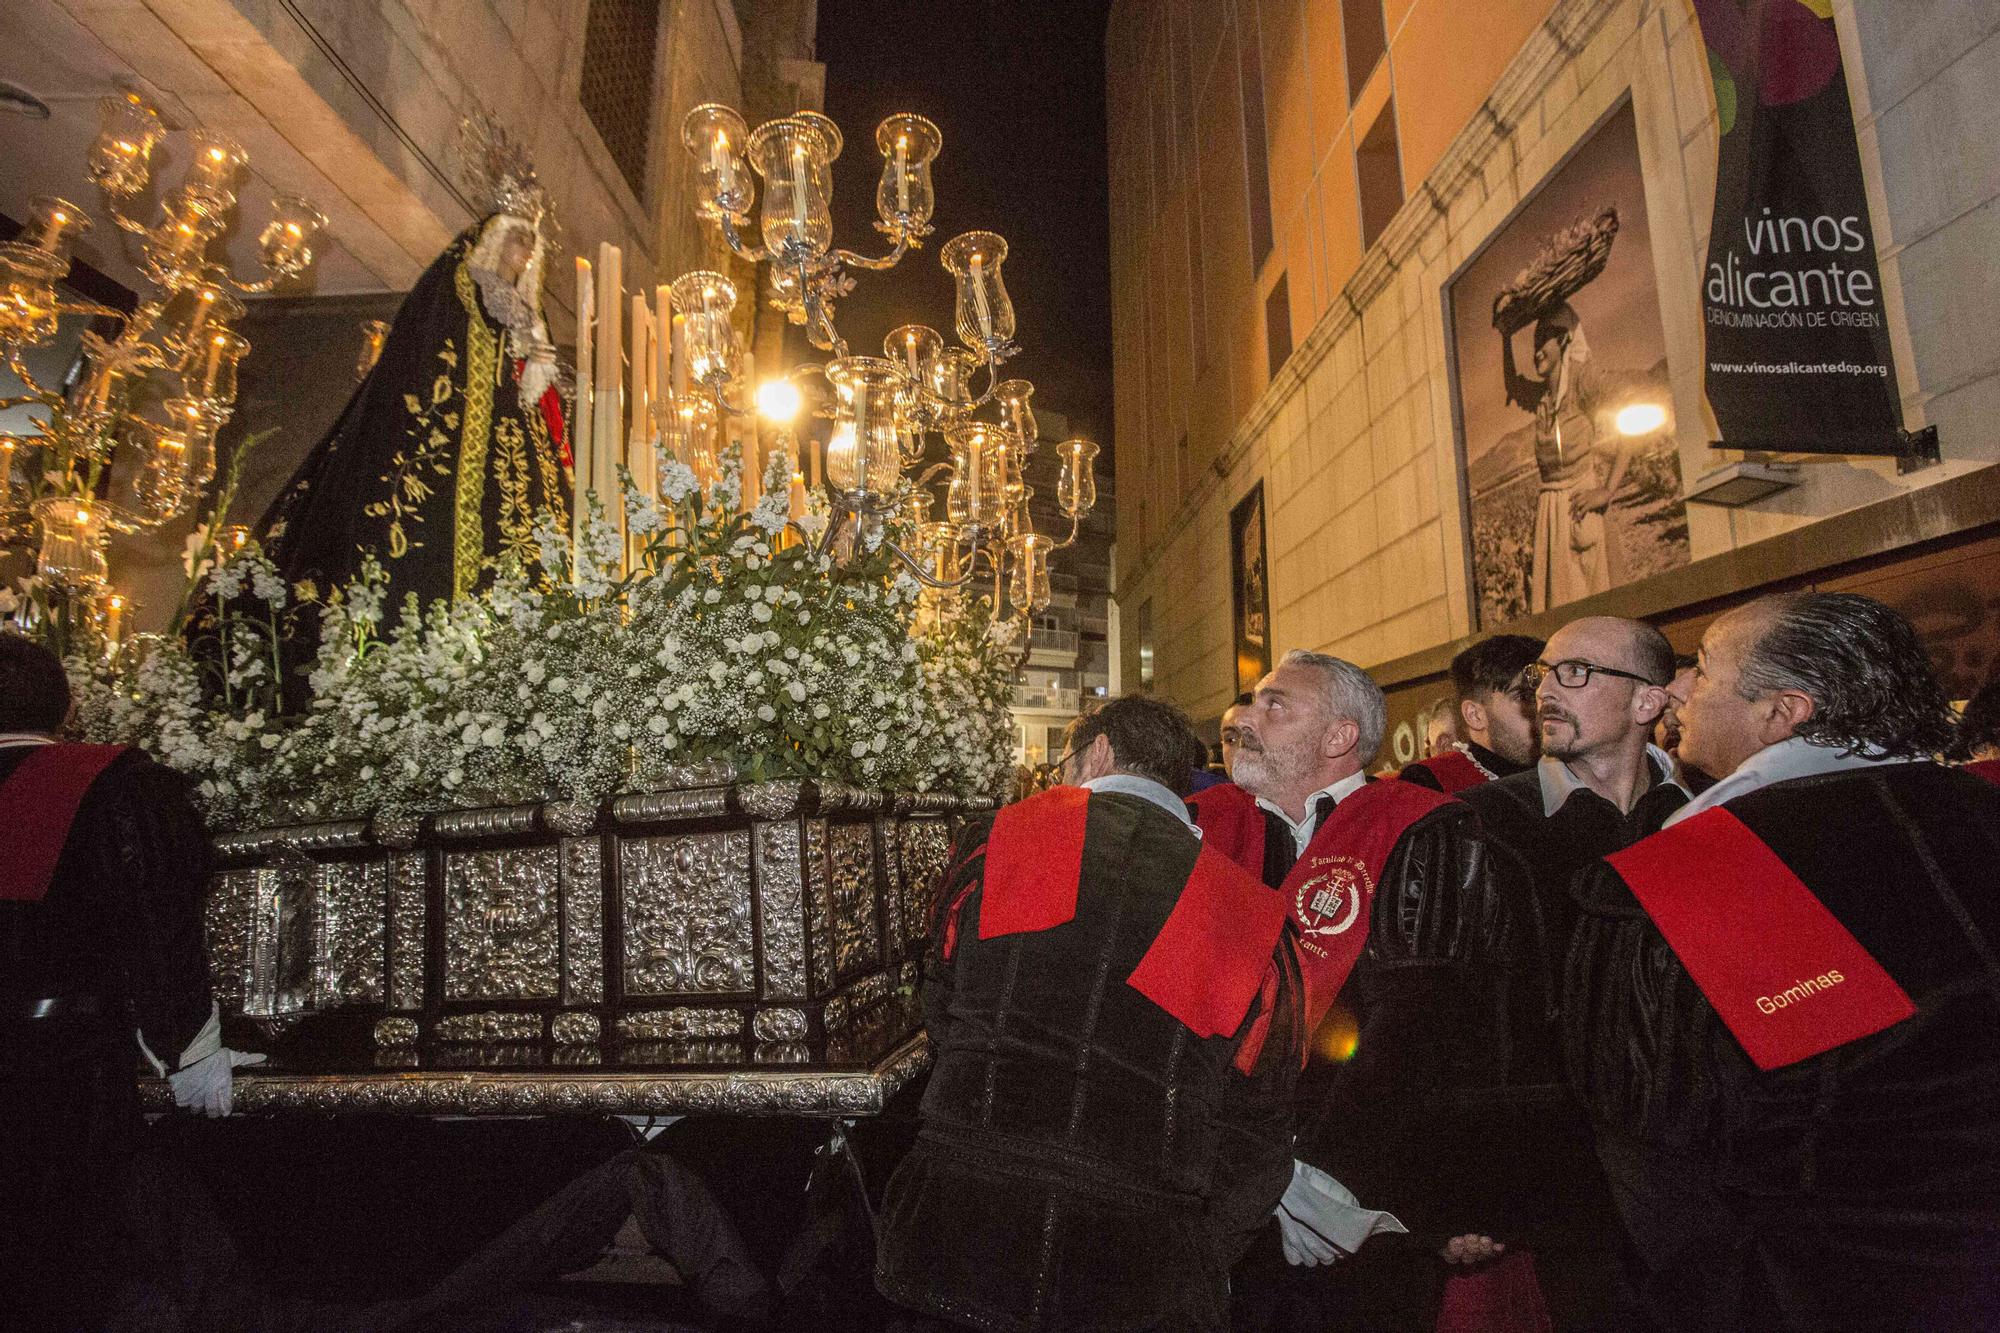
(1856, 1189)
(436, 465)
(118, 938)
(1085, 1162)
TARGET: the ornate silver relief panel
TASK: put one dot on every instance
(926, 848)
(819, 897)
(781, 910)
(406, 929)
(687, 913)
(354, 919)
(500, 923)
(857, 939)
(231, 916)
(583, 920)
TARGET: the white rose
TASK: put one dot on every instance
(766, 713)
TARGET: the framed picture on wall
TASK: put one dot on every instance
(1571, 475)
(1250, 589)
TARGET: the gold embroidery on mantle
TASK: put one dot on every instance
(482, 366)
(426, 453)
(510, 473)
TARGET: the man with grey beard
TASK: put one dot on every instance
(1390, 894)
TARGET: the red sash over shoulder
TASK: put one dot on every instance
(1331, 889)
(41, 797)
(1454, 771)
(1231, 823)
(1985, 768)
(1780, 969)
(1211, 958)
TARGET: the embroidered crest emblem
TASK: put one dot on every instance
(1328, 901)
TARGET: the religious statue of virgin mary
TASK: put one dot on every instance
(455, 440)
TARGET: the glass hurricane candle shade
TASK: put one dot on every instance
(160, 486)
(199, 310)
(28, 312)
(174, 249)
(195, 422)
(213, 163)
(705, 301)
(977, 495)
(1017, 413)
(985, 315)
(687, 431)
(950, 383)
(937, 547)
(120, 159)
(1076, 479)
(905, 196)
(864, 456)
(1028, 577)
(208, 368)
(53, 226)
(715, 136)
(914, 349)
(792, 156)
(286, 243)
(72, 550)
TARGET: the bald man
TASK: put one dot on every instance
(1600, 785)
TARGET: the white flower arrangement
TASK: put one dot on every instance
(572, 680)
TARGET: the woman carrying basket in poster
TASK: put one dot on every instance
(1570, 556)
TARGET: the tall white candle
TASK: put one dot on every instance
(902, 173)
(609, 409)
(799, 190)
(725, 171)
(678, 335)
(637, 449)
(582, 443)
(663, 324)
(984, 313)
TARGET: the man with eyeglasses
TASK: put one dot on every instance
(1496, 716)
(1389, 891)
(1599, 687)
(1112, 1011)
(1782, 1011)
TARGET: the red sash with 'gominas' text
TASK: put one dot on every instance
(41, 797)
(1778, 967)
(1331, 889)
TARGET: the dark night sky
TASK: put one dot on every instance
(1017, 88)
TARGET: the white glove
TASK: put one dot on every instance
(1320, 1221)
(202, 1083)
(205, 1085)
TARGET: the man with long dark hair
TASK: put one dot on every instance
(1783, 1010)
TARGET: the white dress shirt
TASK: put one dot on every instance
(1303, 829)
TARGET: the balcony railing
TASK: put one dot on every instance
(1053, 640)
(1046, 696)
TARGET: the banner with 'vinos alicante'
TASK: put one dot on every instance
(1797, 334)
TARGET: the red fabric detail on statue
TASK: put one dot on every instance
(552, 417)
(41, 797)
(1753, 937)
(1503, 1296)
(1985, 768)
(1209, 960)
(1231, 822)
(1332, 887)
(1034, 863)
(1454, 771)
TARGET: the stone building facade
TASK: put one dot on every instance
(1282, 316)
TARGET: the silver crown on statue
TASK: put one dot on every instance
(497, 171)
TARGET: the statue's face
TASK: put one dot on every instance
(517, 247)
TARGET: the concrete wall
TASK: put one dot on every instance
(357, 103)
(1354, 435)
